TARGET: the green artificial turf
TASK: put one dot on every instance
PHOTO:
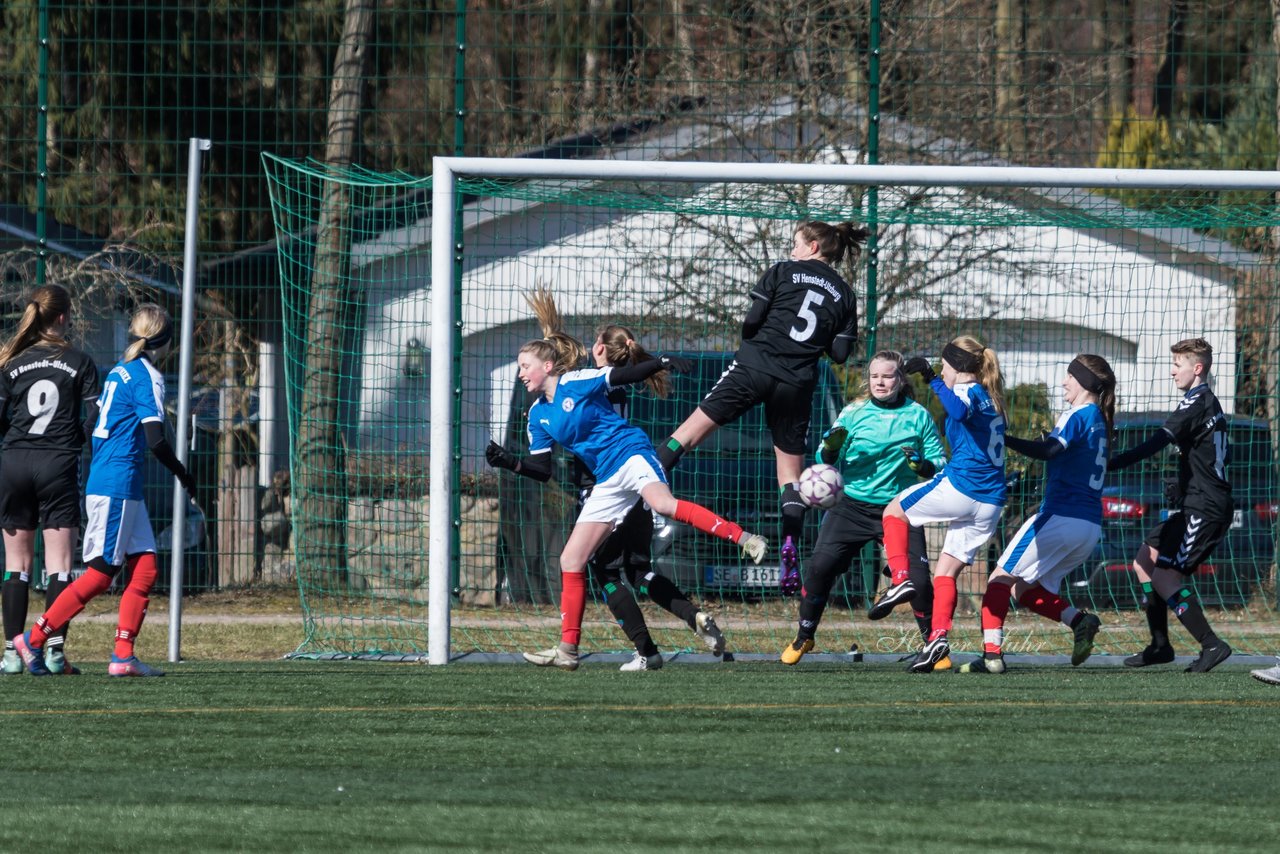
(346, 756)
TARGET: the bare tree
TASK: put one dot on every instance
(320, 463)
(1009, 47)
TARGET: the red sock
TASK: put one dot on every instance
(1043, 602)
(69, 603)
(895, 547)
(133, 602)
(704, 520)
(995, 607)
(944, 605)
(573, 604)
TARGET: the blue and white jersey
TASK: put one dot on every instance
(132, 395)
(582, 421)
(1073, 481)
(975, 431)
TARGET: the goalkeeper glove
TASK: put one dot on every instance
(917, 463)
(832, 442)
(919, 365)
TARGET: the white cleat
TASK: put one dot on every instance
(554, 657)
(643, 662)
(704, 626)
(1270, 675)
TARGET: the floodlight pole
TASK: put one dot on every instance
(186, 344)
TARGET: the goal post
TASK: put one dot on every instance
(1040, 262)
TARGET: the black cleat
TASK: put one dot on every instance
(1210, 657)
(1151, 655)
(933, 653)
(892, 598)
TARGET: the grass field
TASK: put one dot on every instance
(347, 756)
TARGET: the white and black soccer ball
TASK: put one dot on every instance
(820, 485)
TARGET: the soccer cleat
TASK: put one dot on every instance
(892, 598)
(794, 651)
(643, 662)
(704, 626)
(56, 660)
(943, 664)
(1270, 675)
(994, 664)
(130, 666)
(554, 657)
(1085, 631)
(1210, 657)
(754, 546)
(13, 663)
(1151, 655)
(789, 567)
(32, 656)
(932, 654)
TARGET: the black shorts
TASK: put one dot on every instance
(39, 489)
(1186, 539)
(786, 406)
(850, 525)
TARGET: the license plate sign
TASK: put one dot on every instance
(740, 576)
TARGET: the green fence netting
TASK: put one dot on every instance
(1039, 275)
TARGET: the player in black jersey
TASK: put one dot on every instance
(800, 309)
(45, 386)
(1204, 507)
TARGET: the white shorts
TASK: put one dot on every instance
(972, 521)
(1046, 548)
(611, 500)
(116, 528)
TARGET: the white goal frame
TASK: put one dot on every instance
(442, 536)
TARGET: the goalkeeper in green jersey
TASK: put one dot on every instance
(882, 444)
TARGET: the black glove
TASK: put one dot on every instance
(676, 364)
(499, 457)
(189, 484)
(919, 365)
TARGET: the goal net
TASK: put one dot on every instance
(401, 530)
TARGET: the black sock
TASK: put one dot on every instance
(793, 510)
(1158, 620)
(16, 594)
(626, 611)
(662, 592)
(1191, 615)
(811, 607)
(922, 604)
(818, 580)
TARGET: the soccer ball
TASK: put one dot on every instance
(820, 485)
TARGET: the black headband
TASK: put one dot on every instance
(155, 342)
(962, 360)
(1088, 380)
